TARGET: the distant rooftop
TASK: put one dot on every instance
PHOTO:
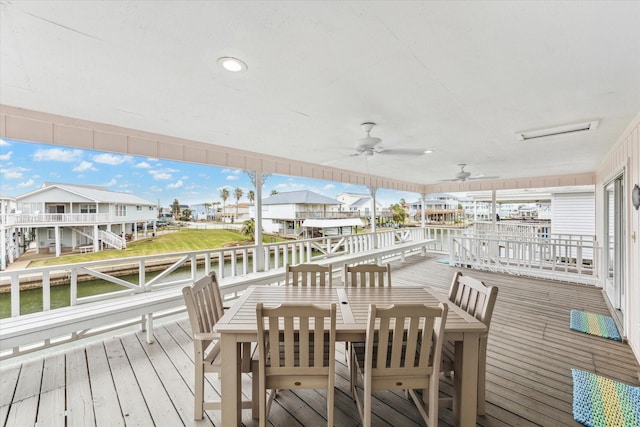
(299, 197)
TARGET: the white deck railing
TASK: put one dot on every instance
(571, 258)
(227, 262)
(58, 218)
(560, 258)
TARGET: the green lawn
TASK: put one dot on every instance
(183, 240)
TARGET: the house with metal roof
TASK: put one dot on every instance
(305, 213)
(61, 217)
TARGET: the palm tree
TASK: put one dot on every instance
(224, 195)
(248, 228)
(399, 214)
(238, 195)
(175, 208)
(251, 196)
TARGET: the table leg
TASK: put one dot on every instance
(466, 380)
(230, 380)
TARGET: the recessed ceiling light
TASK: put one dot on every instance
(232, 64)
(557, 130)
(428, 151)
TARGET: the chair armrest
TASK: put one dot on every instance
(206, 336)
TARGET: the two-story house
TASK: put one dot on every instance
(64, 217)
(363, 204)
(305, 213)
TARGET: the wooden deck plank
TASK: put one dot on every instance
(106, 400)
(156, 399)
(25, 398)
(51, 407)
(8, 384)
(79, 402)
(173, 383)
(530, 352)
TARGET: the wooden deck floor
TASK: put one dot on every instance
(123, 380)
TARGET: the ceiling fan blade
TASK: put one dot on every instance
(402, 151)
(449, 180)
(483, 177)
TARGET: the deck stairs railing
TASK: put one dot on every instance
(112, 239)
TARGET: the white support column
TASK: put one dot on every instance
(258, 179)
(37, 237)
(3, 248)
(423, 198)
(373, 191)
(96, 241)
(58, 242)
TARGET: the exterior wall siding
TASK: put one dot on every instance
(573, 213)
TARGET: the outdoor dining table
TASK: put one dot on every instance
(238, 325)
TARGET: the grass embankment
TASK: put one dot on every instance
(183, 240)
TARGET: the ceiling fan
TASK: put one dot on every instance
(370, 145)
(464, 175)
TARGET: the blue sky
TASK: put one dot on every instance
(25, 166)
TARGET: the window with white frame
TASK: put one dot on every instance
(139, 208)
(121, 210)
(51, 234)
(87, 208)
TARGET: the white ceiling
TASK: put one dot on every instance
(460, 78)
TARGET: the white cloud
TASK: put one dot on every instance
(84, 166)
(110, 183)
(143, 165)
(232, 177)
(175, 185)
(329, 187)
(57, 155)
(111, 159)
(160, 175)
(13, 173)
(6, 156)
(25, 184)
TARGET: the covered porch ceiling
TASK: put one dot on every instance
(458, 78)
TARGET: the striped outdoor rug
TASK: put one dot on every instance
(602, 402)
(594, 324)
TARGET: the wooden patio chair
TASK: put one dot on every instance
(367, 275)
(309, 275)
(402, 352)
(297, 351)
(479, 300)
(205, 307)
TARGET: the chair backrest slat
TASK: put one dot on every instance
(404, 336)
(367, 275)
(309, 275)
(473, 296)
(298, 336)
(204, 303)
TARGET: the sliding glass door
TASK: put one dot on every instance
(614, 245)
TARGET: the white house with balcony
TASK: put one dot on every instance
(361, 203)
(306, 213)
(67, 217)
